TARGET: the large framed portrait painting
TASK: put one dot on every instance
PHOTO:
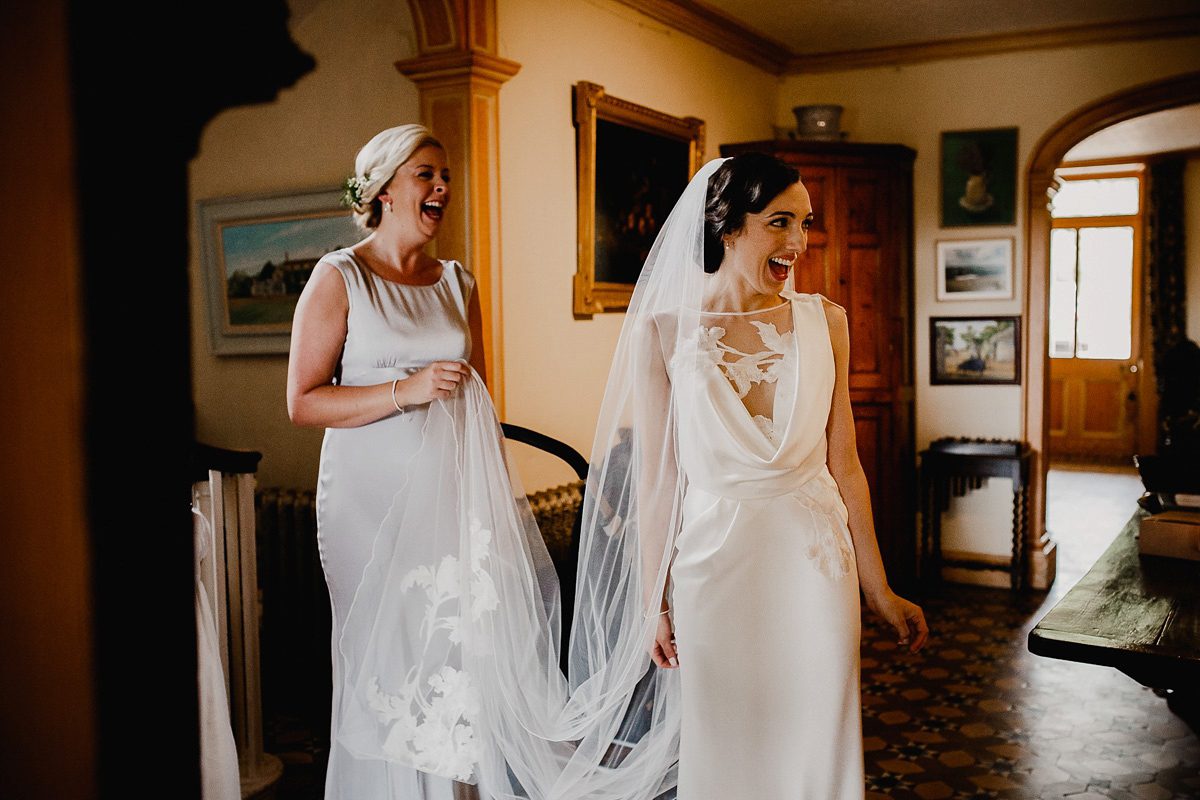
(633, 163)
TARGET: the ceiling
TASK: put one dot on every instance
(791, 37)
(1160, 132)
(843, 25)
(799, 36)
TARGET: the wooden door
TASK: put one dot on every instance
(1094, 400)
(815, 269)
(865, 276)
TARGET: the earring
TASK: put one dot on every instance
(387, 206)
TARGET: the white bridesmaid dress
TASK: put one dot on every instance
(393, 330)
(764, 589)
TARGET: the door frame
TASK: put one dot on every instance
(1179, 90)
(1141, 356)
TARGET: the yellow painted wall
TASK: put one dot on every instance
(306, 139)
(912, 105)
(556, 366)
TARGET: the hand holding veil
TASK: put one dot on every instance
(459, 672)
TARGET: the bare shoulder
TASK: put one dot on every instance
(832, 310)
(835, 317)
(325, 288)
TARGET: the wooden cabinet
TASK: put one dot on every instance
(860, 257)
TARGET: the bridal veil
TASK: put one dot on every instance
(460, 672)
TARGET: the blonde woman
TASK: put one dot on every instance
(380, 331)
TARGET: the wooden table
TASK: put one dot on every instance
(1139, 614)
(949, 467)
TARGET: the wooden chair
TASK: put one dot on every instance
(558, 512)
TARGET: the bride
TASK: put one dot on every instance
(760, 612)
(726, 536)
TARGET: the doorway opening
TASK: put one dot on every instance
(1095, 314)
(1048, 157)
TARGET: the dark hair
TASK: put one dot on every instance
(745, 184)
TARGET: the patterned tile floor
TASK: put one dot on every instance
(976, 715)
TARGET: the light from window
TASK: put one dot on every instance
(1105, 305)
(1101, 197)
(1062, 292)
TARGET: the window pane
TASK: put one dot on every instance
(1062, 292)
(1106, 197)
(1105, 310)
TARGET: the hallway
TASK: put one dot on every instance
(977, 716)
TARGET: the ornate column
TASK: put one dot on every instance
(458, 77)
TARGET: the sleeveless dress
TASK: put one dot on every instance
(393, 330)
(764, 587)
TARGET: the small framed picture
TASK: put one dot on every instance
(976, 269)
(258, 252)
(974, 350)
(979, 177)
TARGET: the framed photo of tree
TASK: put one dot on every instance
(974, 350)
(257, 252)
(632, 165)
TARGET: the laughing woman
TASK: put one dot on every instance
(381, 330)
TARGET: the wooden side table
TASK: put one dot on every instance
(951, 467)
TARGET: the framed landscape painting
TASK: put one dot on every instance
(258, 252)
(974, 350)
(979, 269)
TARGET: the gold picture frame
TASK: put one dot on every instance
(644, 159)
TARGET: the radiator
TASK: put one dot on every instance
(296, 625)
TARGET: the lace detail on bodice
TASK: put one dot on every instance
(767, 426)
(747, 369)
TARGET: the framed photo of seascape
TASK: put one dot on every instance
(979, 269)
(632, 165)
(257, 253)
(974, 350)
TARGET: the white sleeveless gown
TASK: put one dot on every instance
(393, 330)
(765, 594)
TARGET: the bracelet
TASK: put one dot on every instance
(397, 405)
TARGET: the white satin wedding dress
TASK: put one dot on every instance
(764, 590)
(393, 330)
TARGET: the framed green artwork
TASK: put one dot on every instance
(979, 177)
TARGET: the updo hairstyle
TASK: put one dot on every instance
(744, 184)
(377, 163)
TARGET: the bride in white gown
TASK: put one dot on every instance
(761, 609)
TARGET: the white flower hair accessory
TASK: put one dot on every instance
(352, 190)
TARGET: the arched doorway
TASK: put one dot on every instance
(1047, 155)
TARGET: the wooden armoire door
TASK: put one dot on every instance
(860, 257)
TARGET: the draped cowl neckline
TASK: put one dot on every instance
(722, 449)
